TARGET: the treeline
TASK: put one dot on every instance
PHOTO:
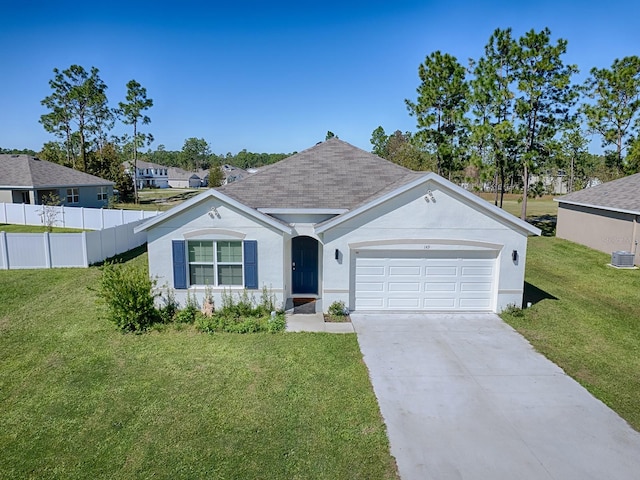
(515, 113)
(196, 154)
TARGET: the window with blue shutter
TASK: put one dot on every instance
(179, 265)
(251, 264)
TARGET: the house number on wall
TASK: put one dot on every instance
(427, 247)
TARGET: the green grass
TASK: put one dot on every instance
(536, 207)
(80, 400)
(159, 198)
(585, 318)
(10, 228)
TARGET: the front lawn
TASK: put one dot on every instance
(585, 318)
(81, 400)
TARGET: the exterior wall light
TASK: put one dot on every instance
(514, 256)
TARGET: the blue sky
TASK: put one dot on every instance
(273, 76)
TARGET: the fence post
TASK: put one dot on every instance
(4, 208)
(85, 255)
(47, 249)
(64, 222)
(121, 217)
(4, 250)
(82, 216)
(102, 219)
(24, 213)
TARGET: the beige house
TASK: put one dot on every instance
(604, 217)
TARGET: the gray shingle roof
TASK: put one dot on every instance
(28, 171)
(332, 174)
(622, 194)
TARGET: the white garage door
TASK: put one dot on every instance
(434, 280)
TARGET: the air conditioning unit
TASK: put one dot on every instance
(622, 259)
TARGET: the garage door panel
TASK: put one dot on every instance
(442, 270)
(407, 303)
(436, 280)
(439, 287)
(370, 286)
(400, 271)
(404, 286)
(438, 304)
(370, 270)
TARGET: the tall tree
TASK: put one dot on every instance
(78, 97)
(545, 97)
(441, 107)
(132, 113)
(195, 154)
(492, 101)
(616, 102)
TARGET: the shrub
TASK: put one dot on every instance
(338, 309)
(128, 293)
(169, 307)
(513, 310)
(188, 313)
(241, 315)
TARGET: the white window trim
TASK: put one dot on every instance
(103, 193)
(214, 263)
(75, 194)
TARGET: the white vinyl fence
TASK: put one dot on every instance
(51, 250)
(70, 217)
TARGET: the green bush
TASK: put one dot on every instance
(169, 307)
(188, 313)
(337, 309)
(241, 315)
(129, 295)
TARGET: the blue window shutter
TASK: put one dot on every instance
(251, 264)
(179, 265)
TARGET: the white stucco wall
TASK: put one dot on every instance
(443, 224)
(196, 222)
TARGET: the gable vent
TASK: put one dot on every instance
(622, 259)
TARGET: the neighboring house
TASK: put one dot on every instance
(179, 178)
(554, 183)
(233, 174)
(27, 179)
(336, 223)
(149, 175)
(605, 217)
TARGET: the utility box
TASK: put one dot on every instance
(622, 259)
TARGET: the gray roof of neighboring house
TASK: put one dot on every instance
(621, 195)
(176, 173)
(332, 175)
(143, 164)
(28, 171)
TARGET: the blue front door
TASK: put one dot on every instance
(304, 265)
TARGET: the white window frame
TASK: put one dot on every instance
(103, 193)
(73, 195)
(215, 263)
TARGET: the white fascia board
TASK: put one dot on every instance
(313, 211)
(223, 198)
(597, 207)
(470, 197)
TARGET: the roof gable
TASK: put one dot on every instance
(621, 195)
(250, 212)
(28, 171)
(331, 175)
(463, 195)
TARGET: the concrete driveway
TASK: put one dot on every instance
(466, 397)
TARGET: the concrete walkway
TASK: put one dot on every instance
(314, 322)
(467, 397)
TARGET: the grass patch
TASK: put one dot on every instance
(11, 228)
(81, 400)
(585, 318)
(536, 207)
